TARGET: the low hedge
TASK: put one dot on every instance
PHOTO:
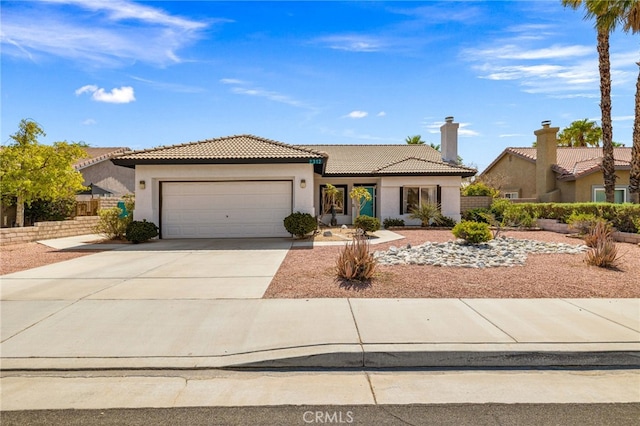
(624, 217)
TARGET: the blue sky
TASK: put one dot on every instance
(144, 74)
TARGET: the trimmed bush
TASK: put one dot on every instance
(355, 262)
(479, 188)
(476, 215)
(367, 223)
(444, 221)
(300, 224)
(389, 222)
(583, 223)
(111, 224)
(141, 231)
(499, 206)
(472, 232)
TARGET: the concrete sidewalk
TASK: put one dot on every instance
(95, 333)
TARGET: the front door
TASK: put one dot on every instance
(368, 208)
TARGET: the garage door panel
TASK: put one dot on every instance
(225, 209)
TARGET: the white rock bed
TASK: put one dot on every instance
(501, 252)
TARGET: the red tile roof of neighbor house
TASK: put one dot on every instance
(96, 155)
(573, 163)
(340, 160)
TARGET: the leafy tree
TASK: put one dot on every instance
(580, 133)
(31, 171)
(634, 174)
(607, 14)
(434, 146)
(360, 196)
(414, 140)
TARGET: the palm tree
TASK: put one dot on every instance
(580, 133)
(414, 140)
(634, 174)
(608, 14)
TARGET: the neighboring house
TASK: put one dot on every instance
(244, 186)
(102, 176)
(548, 173)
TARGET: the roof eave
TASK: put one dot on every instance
(131, 162)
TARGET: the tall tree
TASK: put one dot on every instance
(607, 14)
(414, 140)
(580, 133)
(634, 174)
(30, 171)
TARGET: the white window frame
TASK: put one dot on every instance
(600, 188)
(405, 192)
(511, 195)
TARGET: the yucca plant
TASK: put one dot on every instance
(604, 252)
(355, 262)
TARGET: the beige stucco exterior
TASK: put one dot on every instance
(514, 174)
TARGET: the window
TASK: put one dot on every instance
(412, 197)
(340, 200)
(511, 195)
(619, 194)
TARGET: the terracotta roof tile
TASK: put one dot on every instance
(96, 155)
(575, 162)
(231, 147)
(387, 160)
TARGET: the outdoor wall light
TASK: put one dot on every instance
(303, 183)
(142, 184)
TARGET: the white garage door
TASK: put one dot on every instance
(225, 209)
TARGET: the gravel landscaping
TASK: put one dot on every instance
(308, 273)
(19, 257)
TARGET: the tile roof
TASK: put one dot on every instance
(340, 160)
(96, 155)
(354, 160)
(235, 147)
(573, 163)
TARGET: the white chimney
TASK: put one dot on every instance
(449, 140)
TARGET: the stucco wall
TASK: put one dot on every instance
(390, 195)
(513, 173)
(117, 179)
(148, 199)
(584, 185)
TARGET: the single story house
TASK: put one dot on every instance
(548, 173)
(244, 185)
(101, 176)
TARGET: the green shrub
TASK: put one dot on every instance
(583, 223)
(300, 224)
(621, 216)
(479, 188)
(390, 221)
(444, 221)
(476, 215)
(499, 206)
(141, 231)
(425, 213)
(356, 263)
(111, 224)
(54, 210)
(518, 217)
(472, 232)
(367, 223)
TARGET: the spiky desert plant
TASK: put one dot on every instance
(592, 237)
(604, 252)
(356, 263)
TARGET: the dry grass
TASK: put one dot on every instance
(307, 273)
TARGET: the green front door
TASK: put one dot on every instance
(368, 208)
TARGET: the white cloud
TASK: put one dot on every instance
(381, 114)
(121, 95)
(623, 118)
(511, 135)
(89, 122)
(353, 43)
(357, 114)
(99, 33)
(241, 87)
(434, 128)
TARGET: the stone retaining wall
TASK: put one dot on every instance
(80, 225)
(562, 228)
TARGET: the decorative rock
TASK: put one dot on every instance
(501, 252)
(327, 234)
(343, 227)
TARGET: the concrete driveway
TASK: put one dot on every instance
(162, 269)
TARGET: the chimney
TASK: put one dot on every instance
(449, 140)
(546, 156)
